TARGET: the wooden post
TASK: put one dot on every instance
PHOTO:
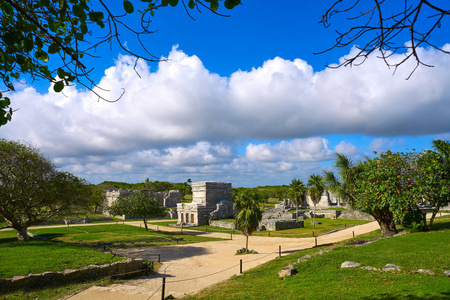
(315, 241)
(163, 288)
(231, 236)
(206, 228)
(353, 233)
(279, 251)
(313, 233)
(159, 258)
(269, 233)
(240, 270)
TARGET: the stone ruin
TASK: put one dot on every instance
(166, 199)
(210, 201)
(327, 200)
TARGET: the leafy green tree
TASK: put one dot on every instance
(316, 186)
(54, 40)
(387, 189)
(139, 204)
(32, 190)
(297, 193)
(433, 177)
(247, 204)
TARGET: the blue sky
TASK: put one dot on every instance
(242, 99)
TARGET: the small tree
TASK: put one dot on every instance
(137, 204)
(297, 193)
(433, 178)
(32, 190)
(249, 216)
(316, 186)
(387, 189)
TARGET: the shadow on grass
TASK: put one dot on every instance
(167, 253)
(441, 225)
(444, 295)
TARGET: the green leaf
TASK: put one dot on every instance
(58, 87)
(41, 55)
(173, 3)
(61, 73)
(214, 5)
(191, 4)
(128, 6)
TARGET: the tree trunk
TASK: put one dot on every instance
(145, 224)
(22, 234)
(434, 213)
(296, 213)
(385, 219)
(314, 217)
(246, 243)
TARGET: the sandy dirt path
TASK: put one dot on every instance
(193, 267)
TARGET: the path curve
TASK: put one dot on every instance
(192, 267)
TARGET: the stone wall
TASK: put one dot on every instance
(355, 215)
(276, 213)
(92, 272)
(222, 224)
(165, 199)
(274, 225)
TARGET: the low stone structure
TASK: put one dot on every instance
(276, 224)
(222, 224)
(278, 213)
(92, 272)
(355, 215)
(210, 200)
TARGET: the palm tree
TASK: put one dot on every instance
(341, 183)
(297, 193)
(249, 216)
(316, 186)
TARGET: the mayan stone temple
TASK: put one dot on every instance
(210, 201)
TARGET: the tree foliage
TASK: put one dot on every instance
(247, 220)
(316, 184)
(387, 27)
(53, 40)
(32, 190)
(297, 193)
(391, 187)
(137, 204)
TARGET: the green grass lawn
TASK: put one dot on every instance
(19, 258)
(307, 231)
(322, 278)
(64, 247)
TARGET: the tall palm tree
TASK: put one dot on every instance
(316, 186)
(297, 193)
(249, 216)
(341, 183)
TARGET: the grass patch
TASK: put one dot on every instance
(327, 225)
(322, 278)
(64, 247)
(36, 257)
(116, 233)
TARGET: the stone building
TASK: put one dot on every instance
(166, 199)
(328, 200)
(210, 200)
